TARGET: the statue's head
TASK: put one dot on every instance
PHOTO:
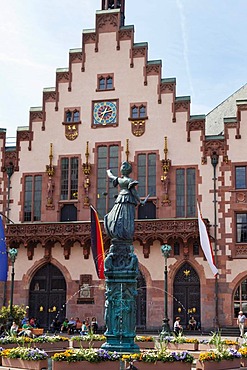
(126, 168)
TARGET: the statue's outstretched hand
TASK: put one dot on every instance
(110, 174)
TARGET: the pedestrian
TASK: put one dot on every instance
(65, 325)
(71, 325)
(241, 321)
(14, 329)
(84, 330)
(177, 327)
(78, 325)
(192, 323)
(26, 330)
(94, 325)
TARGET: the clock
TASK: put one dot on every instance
(105, 113)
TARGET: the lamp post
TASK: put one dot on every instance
(12, 255)
(165, 249)
(214, 162)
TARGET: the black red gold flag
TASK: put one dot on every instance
(97, 243)
(3, 254)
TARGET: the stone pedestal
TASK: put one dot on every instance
(121, 271)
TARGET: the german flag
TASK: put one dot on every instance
(97, 243)
(3, 254)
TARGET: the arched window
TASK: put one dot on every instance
(134, 112)
(176, 249)
(68, 116)
(240, 298)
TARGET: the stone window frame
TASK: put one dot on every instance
(138, 107)
(75, 115)
(105, 77)
(34, 198)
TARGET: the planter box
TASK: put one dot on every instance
(146, 345)
(205, 347)
(208, 347)
(9, 345)
(85, 365)
(243, 362)
(24, 364)
(183, 346)
(221, 365)
(51, 346)
(86, 344)
(177, 365)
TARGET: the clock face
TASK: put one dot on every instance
(105, 113)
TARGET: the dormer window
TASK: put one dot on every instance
(72, 116)
(138, 111)
(105, 82)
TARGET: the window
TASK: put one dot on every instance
(240, 177)
(105, 82)
(106, 192)
(69, 178)
(176, 249)
(32, 201)
(146, 174)
(240, 298)
(185, 192)
(72, 116)
(138, 111)
(196, 249)
(241, 226)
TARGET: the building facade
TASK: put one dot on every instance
(112, 104)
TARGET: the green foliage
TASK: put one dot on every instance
(217, 341)
(18, 312)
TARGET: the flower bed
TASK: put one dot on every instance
(160, 360)
(76, 359)
(83, 358)
(181, 343)
(43, 341)
(25, 358)
(215, 360)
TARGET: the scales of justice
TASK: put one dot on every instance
(121, 265)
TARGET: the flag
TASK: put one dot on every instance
(3, 254)
(97, 243)
(205, 243)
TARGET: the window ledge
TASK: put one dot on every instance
(138, 119)
(101, 90)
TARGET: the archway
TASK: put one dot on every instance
(186, 288)
(47, 295)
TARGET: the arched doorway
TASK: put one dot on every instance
(47, 295)
(141, 301)
(187, 298)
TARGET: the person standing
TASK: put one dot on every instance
(241, 321)
(177, 327)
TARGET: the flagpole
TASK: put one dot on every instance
(214, 162)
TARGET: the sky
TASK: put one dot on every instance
(200, 42)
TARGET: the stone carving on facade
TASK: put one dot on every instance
(165, 178)
(71, 131)
(138, 127)
(50, 184)
(86, 167)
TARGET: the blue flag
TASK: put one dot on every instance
(3, 254)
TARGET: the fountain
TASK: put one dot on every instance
(121, 266)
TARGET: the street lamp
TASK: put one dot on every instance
(12, 255)
(214, 162)
(165, 249)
